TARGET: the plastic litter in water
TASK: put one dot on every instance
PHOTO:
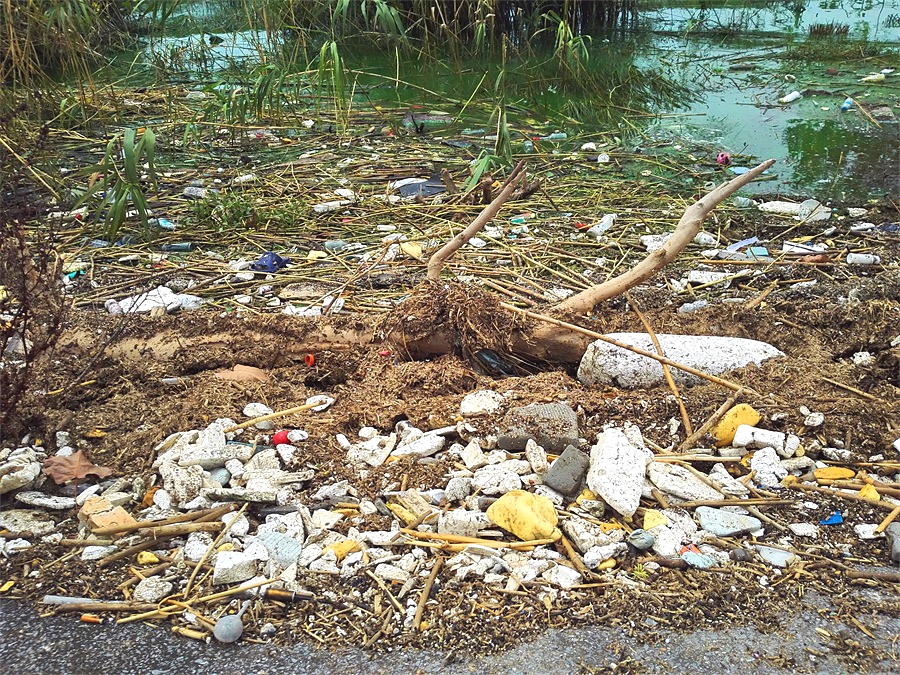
(834, 519)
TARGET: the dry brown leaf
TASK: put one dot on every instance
(73, 467)
(242, 373)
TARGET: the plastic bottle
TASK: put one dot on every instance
(744, 202)
(847, 104)
(521, 218)
(528, 146)
(180, 247)
(556, 136)
(863, 259)
(605, 223)
(790, 98)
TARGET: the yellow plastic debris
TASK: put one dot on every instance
(5, 587)
(652, 518)
(412, 249)
(227, 546)
(606, 528)
(147, 558)
(607, 564)
(316, 255)
(833, 473)
(869, 492)
(343, 548)
(586, 494)
(528, 516)
(727, 426)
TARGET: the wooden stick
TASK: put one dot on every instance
(752, 501)
(233, 591)
(666, 372)
(210, 549)
(442, 255)
(183, 518)
(877, 576)
(859, 485)
(853, 390)
(891, 517)
(574, 557)
(387, 591)
(426, 591)
(182, 528)
(130, 551)
(637, 350)
(272, 416)
(102, 607)
(684, 233)
(711, 422)
(82, 543)
(142, 574)
(460, 539)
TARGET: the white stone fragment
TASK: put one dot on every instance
(232, 567)
(460, 522)
(152, 590)
(617, 469)
(388, 572)
(751, 437)
(44, 501)
(562, 576)
(495, 480)
(608, 364)
(768, 468)
(20, 469)
(804, 530)
(472, 456)
(483, 402)
(679, 482)
(537, 457)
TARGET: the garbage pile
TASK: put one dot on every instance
(522, 505)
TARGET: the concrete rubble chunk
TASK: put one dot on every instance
(483, 402)
(724, 523)
(99, 512)
(751, 437)
(388, 572)
(458, 488)
(617, 469)
(586, 535)
(776, 556)
(473, 456)
(553, 426)
(804, 530)
(232, 567)
(537, 457)
(19, 470)
(607, 364)
(495, 479)
(152, 590)
(460, 522)
(427, 445)
(768, 468)
(596, 555)
(566, 474)
(680, 482)
(44, 501)
(562, 576)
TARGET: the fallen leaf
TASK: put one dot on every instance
(243, 374)
(73, 467)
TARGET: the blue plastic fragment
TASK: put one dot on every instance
(834, 519)
(269, 262)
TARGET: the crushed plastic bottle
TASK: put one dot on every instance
(847, 104)
(790, 98)
(605, 223)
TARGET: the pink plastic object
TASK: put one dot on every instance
(280, 437)
(723, 158)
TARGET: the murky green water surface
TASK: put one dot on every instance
(736, 58)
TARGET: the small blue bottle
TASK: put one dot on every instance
(847, 104)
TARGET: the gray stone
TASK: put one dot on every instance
(152, 590)
(724, 523)
(893, 538)
(604, 363)
(567, 473)
(618, 466)
(553, 426)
